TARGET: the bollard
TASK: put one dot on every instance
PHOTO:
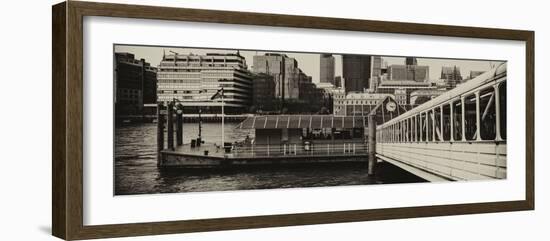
(179, 127)
(170, 125)
(372, 145)
(160, 134)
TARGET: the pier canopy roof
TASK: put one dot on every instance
(303, 121)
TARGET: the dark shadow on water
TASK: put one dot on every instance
(172, 180)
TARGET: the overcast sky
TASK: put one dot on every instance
(308, 62)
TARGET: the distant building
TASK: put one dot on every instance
(285, 72)
(357, 71)
(326, 69)
(135, 84)
(451, 75)
(263, 93)
(376, 67)
(401, 96)
(338, 81)
(374, 81)
(194, 79)
(355, 103)
(312, 98)
(416, 73)
(411, 61)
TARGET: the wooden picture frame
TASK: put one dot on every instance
(67, 124)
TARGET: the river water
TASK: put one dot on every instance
(136, 169)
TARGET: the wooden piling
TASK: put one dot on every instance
(372, 145)
(160, 133)
(179, 127)
(170, 125)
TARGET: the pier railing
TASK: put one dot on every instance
(312, 149)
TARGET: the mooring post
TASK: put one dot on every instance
(372, 145)
(170, 123)
(179, 127)
(160, 134)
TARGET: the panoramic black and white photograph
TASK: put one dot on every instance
(192, 119)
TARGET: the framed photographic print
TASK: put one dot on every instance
(171, 120)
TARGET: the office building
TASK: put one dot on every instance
(356, 103)
(263, 93)
(135, 84)
(416, 73)
(193, 79)
(338, 81)
(284, 70)
(326, 68)
(357, 71)
(411, 61)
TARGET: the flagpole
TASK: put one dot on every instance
(223, 122)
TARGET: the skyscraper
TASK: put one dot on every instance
(356, 70)
(326, 68)
(284, 70)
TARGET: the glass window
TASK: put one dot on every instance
(437, 117)
(422, 127)
(488, 114)
(410, 129)
(446, 122)
(413, 128)
(470, 117)
(430, 125)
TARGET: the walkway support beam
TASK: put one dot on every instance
(372, 144)
(179, 127)
(170, 125)
(160, 133)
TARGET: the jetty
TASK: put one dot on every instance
(278, 140)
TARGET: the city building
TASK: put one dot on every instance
(376, 70)
(418, 73)
(411, 61)
(312, 99)
(356, 103)
(401, 96)
(451, 75)
(193, 79)
(135, 84)
(357, 71)
(338, 81)
(326, 69)
(263, 93)
(285, 72)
